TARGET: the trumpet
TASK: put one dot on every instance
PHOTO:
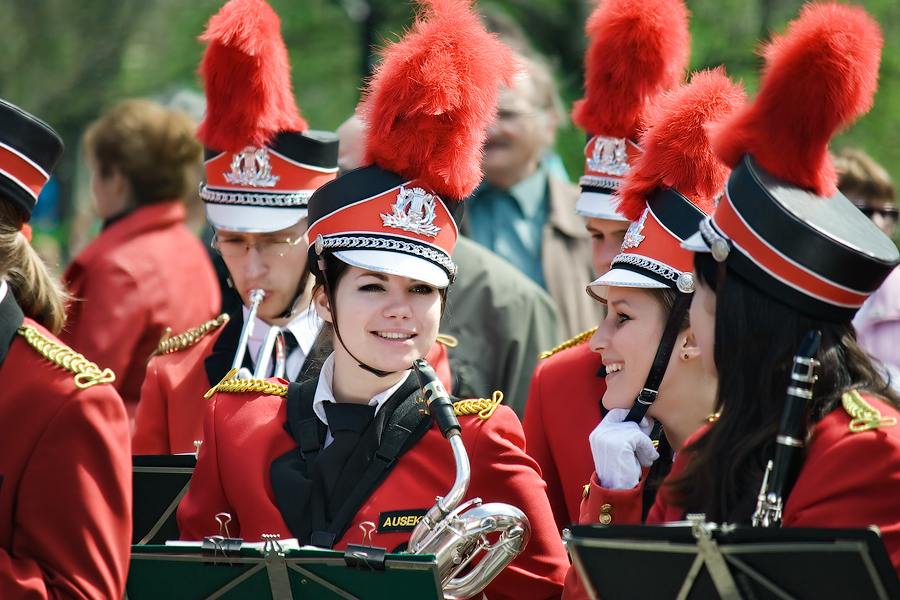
(274, 340)
(455, 534)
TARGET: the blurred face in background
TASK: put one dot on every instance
(518, 136)
(606, 241)
(883, 213)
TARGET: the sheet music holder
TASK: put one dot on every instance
(696, 560)
(159, 483)
(267, 572)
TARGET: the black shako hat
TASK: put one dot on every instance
(29, 150)
(782, 224)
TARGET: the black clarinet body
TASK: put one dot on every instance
(782, 472)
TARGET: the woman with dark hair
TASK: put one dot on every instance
(784, 255)
(349, 451)
(146, 270)
(65, 468)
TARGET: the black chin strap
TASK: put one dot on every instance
(337, 331)
(661, 361)
(292, 307)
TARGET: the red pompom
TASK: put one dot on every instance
(247, 77)
(677, 151)
(638, 49)
(820, 76)
(433, 96)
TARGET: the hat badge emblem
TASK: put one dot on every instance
(252, 168)
(609, 156)
(633, 236)
(414, 211)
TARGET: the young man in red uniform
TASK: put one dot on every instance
(65, 468)
(564, 397)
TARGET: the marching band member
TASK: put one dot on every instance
(331, 455)
(146, 269)
(786, 254)
(638, 49)
(65, 469)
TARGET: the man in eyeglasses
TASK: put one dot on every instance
(868, 185)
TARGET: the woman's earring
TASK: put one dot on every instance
(686, 356)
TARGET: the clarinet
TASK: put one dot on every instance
(781, 474)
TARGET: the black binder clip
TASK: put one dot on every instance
(222, 547)
(365, 557)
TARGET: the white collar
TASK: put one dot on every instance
(3, 288)
(305, 328)
(325, 394)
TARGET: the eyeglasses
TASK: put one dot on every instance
(237, 248)
(888, 213)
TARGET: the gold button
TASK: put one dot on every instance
(586, 491)
(605, 517)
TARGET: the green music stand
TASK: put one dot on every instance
(268, 572)
(696, 560)
(159, 483)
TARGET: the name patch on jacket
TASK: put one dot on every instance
(400, 520)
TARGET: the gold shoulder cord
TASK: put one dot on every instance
(188, 338)
(865, 416)
(575, 341)
(446, 339)
(239, 386)
(482, 407)
(86, 372)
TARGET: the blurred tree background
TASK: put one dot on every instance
(68, 61)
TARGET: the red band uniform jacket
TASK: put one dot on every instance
(563, 408)
(143, 273)
(65, 476)
(169, 417)
(249, 459)
(848, 480)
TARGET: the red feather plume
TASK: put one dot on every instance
(820, 76)
(433, 96)
(638, 49)
(677, 150)
(247, 78)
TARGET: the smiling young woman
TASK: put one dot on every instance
(318, 459)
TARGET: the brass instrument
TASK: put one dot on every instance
(274, 340)
(781, 474)
(455, 534)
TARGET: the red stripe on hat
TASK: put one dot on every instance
(22, 171)
(292, 176)
(661, 245)
(756, 249)
(365, 217)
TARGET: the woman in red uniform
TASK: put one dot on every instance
(65, 468)
(786, 254)
(349, 446)
(638, 50)
(146, 271)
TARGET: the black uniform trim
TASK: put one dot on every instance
(11, 318)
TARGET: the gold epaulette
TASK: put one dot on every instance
(239, 386)
(447, 340)
(482, 407)
(865, 416)
(578, 339)
(86, 372)
(188, 338)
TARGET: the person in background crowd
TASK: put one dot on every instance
(754, 308)
(523, 212)
(638, 49)
(499, 318)
(351, 446)
(65, 469)
(145, 271)
(877, 324)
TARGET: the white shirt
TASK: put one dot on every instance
(305, 328)
(3, 288)
(324, 393)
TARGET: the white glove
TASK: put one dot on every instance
(620, 449)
